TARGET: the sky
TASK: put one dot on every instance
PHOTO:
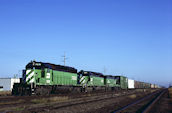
(122, 37)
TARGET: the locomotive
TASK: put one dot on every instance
(41, 78)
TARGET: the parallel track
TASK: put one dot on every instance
(12, 101)
(148, 101)
(80, 102)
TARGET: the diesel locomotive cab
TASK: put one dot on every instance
(91, 79)
(32, 70)
(29, 79)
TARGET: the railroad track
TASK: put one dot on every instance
(19, 101)
(75, 95)
(143, 105)
(80, 102)
(74, 100)
(14, 98)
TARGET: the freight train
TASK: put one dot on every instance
(41, 78)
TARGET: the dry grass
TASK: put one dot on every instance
(5, 93)
(153, 90)
(37, 101)
(132, 96)
(12, 102)
(52, 99)
(59, 99)
(19, 109)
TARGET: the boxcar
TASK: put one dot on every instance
(147, 85)
(131, 84)
(138, 85)
(152, 86)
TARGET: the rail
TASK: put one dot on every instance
(153, 103)
(149, 105)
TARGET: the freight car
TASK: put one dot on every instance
(130, 84)
(138, 85)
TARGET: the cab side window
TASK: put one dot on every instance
(48, 70)
(43, 73)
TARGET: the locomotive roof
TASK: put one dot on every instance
(51, 66)
(94, 73)
(120, 76)
(110, 76)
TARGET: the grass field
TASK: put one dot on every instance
(48, 100)
(5, 93)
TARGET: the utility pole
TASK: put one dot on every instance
(64, 59)
(104, 70)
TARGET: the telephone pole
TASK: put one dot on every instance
(64, 59)
(104, 70)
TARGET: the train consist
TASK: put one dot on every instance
(45, 78)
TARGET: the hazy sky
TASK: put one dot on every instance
(130, 37)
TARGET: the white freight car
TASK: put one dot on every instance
(130, 84)
(152, 86)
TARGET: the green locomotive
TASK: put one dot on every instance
(50, 74)
(122, 82)
(45, 78)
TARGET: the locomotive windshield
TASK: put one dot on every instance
(89, 73)
(117, 80)
(34, 65)
(110, 77)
